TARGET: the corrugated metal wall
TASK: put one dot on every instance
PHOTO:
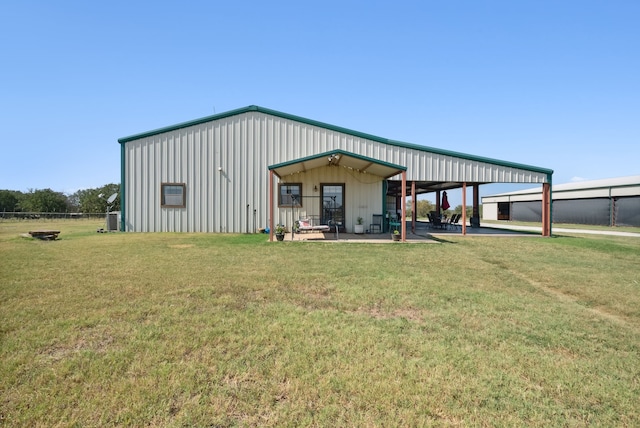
(619, 206)
(627, 211)
(243, 146)
(526, 211)
(582, 211)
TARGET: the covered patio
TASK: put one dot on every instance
(395, 185)
(368, 169)
(417, 232)
(401, 189)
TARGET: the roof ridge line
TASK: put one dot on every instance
(312, 122)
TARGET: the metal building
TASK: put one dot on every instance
(611, 202)
(254, 167)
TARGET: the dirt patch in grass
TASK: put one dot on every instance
(89, 339)
(599, 311)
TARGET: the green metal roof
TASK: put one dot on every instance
(267, 111)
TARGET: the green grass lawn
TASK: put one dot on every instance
(163, 329)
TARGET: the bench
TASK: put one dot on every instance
(307, 225)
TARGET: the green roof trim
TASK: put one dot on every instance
(311, 122)
(342, 153)
(188, 124)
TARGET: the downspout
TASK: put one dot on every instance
(464, 208)
(414, 207)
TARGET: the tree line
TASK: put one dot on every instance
(93, 201)
(89, 201)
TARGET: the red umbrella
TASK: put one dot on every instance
(445, 202)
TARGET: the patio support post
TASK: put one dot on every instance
(414, 207)
(270, 205)
(546, 209)
(403, 217)
(438, 202)
(464, 208)
(550, 181)
(476, 203)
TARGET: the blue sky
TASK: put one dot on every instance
(554, 84)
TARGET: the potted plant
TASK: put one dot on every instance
(279, 231)
(395, 235)
(359, 227)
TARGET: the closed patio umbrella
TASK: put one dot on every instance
(445, 202)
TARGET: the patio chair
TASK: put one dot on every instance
(376, 224)
(434, 220)
(394, 222)
(450, 222)
(455, 221)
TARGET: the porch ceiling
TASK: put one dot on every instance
(341, 158)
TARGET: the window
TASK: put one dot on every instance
(172, 195)
(290, 195)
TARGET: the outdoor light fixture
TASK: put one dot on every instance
(333, 157)
(315, 188)
(220, 168)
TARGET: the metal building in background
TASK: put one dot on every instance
(254, 167)
(610, 202)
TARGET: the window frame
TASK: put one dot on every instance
(163, 186)
(298, 203)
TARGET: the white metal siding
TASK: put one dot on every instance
(244, 146)
(490, 211)
(626, 191)
(581, 194)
